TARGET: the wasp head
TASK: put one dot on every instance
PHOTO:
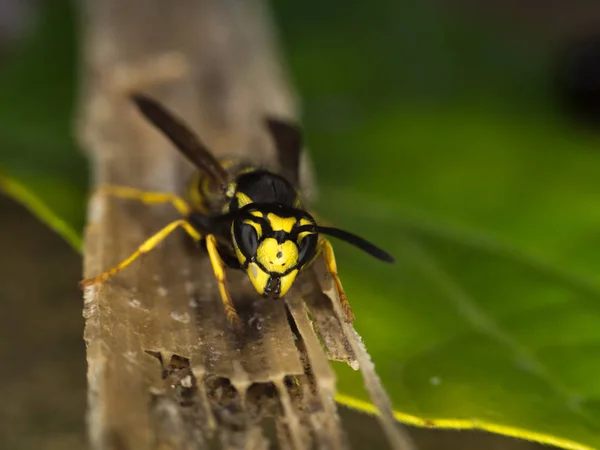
(272, 245)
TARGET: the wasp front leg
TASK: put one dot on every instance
(146, 197)
(219, 270)
(327, 249)
(146, 247)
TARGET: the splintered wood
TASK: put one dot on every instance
(164, 368)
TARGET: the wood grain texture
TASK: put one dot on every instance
(164, 368)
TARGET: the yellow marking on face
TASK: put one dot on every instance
(276, 257)
(281, 223)
(256, 213)
(256, 226)
(303, 235)
(304, 221)
(258, 277)
(287, 281)
(243, 199)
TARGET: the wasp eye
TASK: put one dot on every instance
(248, 240)
(306, 249)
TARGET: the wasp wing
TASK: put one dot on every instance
(288, 143)
(182, 137)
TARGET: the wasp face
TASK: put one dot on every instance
(273, 248)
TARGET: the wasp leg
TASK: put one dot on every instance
(147, 246)
(219, 269)
(331, 266)
(149, 198)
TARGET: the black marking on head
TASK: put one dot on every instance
(278, 209)
(280, 236)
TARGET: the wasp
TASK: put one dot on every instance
(248, 217)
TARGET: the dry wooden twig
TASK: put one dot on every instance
(164, 369)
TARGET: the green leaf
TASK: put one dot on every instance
(433, 139)
(491, 316)
(39, 164)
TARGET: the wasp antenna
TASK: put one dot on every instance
(357, 241)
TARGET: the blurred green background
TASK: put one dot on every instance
(458, 135)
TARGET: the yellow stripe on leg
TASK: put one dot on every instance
(331, 266)
(146, 197)
(219, 269)
(146, 247)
